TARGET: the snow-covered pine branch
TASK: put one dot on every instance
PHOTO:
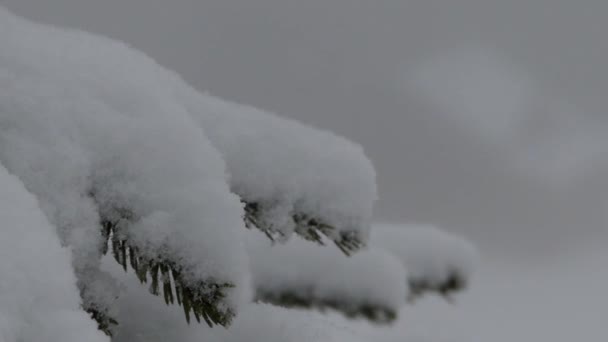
(369, 284)
(436, 261)
(401, 262)
(110, 152)
(91, 127)
(115, 148)
(292, 177)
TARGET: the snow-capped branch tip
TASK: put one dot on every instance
(203, 299)
(307, 227)
(437, 261)
(369, 284)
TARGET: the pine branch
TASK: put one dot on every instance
(105, 323)
(374, 313)
(455, 282)
(202, 300)
(307, 227)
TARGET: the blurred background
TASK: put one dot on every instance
(486, 118)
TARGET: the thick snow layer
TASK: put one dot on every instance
(99, 132)
(430, 255)
(145, 319)
(92, 129)
(39, 301)
(289, 168)
(318, 276)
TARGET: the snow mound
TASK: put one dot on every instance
(116, 147)
(91, 128)
(401, 261)
(294, 177)
(435, 260)
(144, 319)
(39, 300)
(370, 284)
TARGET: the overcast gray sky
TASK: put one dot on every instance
(484, 117)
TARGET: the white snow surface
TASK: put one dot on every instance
(372, 276)
(378, 275)
(428, 253)
(321, 273)
(145, 319)
(90, 128)
(80, 114)
(39, 301)
(93, 129)
(288, 167)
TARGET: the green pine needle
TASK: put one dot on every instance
(308, 228)
(203, 300)
(374, 313)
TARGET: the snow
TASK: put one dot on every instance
(431, 256)
(92, 129)
(289, 168)
(39, 300)
(99, 132)
(320, 276)
(95, 132)
(145, 319)
(424, 258)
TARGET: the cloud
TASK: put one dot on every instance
(476, 88)
(539, 133)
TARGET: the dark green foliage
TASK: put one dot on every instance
(105, 323)
(251, 218)
(373, 313)
(203, 299)
(309, 228)
(455, 282)
(166, 277)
